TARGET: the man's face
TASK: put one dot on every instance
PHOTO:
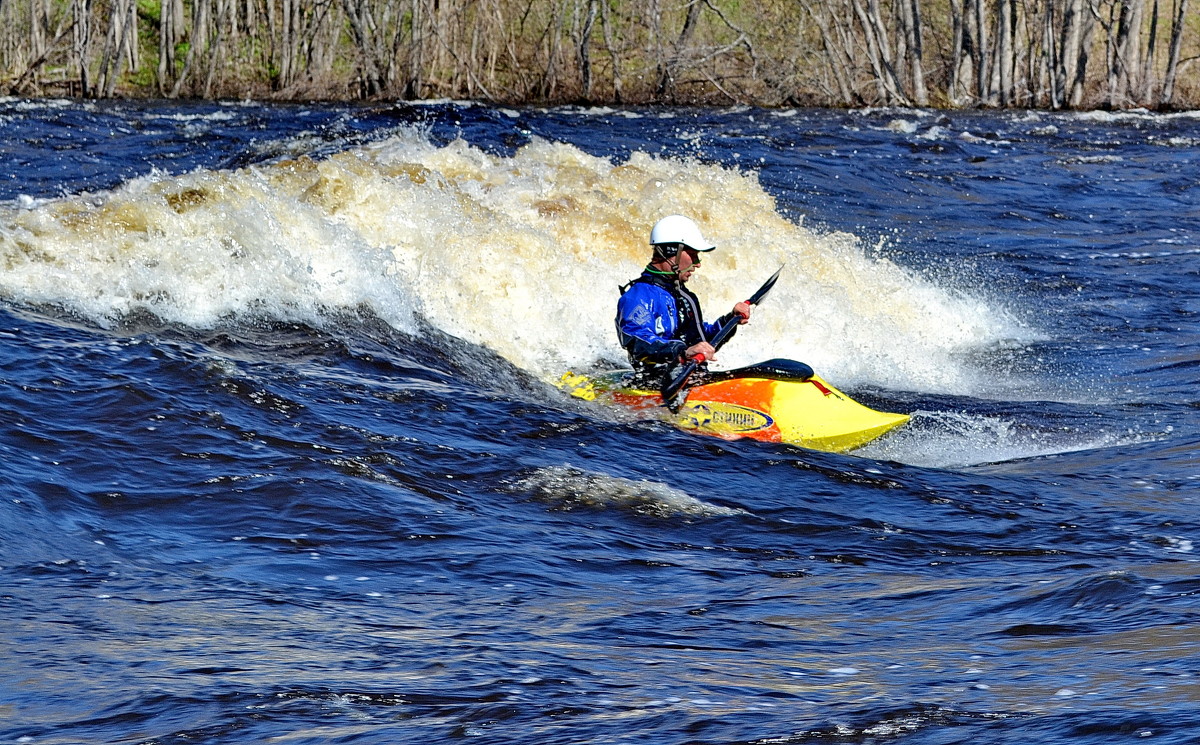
(689, 261)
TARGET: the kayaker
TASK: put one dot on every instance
(659, 322)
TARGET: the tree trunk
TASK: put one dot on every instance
(199, 42)
(1070, 41)
(1088, 23)
(895, 87)
(171, 28)
(1125, 62)
(983, 88)
(31, 77)
(39, 21)
(916, 50)
(613, 53)
(583, 50)
(81, 10)
(1047, 94)
(413, 77)
(837, 58)
(958, 52)
(1168, 92)
(120, 46)
(1147, 93)
(670, 66)
(216, 50)
(364, 32)
(1005, 53)
(878, 53)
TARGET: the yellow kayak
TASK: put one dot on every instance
(774, 401)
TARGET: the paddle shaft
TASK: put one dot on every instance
(671, 389)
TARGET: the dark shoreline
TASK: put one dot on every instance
(950, 55)
(567, 102)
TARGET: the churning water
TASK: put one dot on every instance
(281, 461)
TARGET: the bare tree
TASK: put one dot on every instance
(1005, 64)
(1070, 51)
(1125, 63)
(583, 46)
(879, 53)
(1079, 84)
(201, 9)
(1168, 91)
(120, 45)
(614, 54)
(81, 11)
(977, 21)
(170, 34)
(1148, 72)
(837, 57)
(372, 46)
(669, 65)
(834, 52)
(910, 15)
(960, 53)
(41, 18)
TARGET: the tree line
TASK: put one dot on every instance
(1051, 54)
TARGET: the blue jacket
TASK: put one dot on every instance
(657, 319)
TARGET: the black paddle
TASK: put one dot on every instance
(672, 388)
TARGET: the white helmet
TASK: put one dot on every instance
(679, 229)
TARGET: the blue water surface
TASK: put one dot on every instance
(357, 533)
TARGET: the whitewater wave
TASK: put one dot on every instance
(958, 439)
(520, 253)
(568, 488)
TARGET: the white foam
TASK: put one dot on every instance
(573, 488)
(194, 250)
(901, 126)
(952, 439)
(521, 254)
(208, 116)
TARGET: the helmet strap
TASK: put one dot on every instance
(668, 252)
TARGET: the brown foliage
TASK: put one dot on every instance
(952, 53)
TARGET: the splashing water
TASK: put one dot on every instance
(522, 254)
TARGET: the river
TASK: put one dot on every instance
(283, 460)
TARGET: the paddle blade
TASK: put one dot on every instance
(672, 387)
(757, 297)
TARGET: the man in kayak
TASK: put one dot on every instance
(659, 322)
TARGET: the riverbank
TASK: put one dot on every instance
(1060, 54)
